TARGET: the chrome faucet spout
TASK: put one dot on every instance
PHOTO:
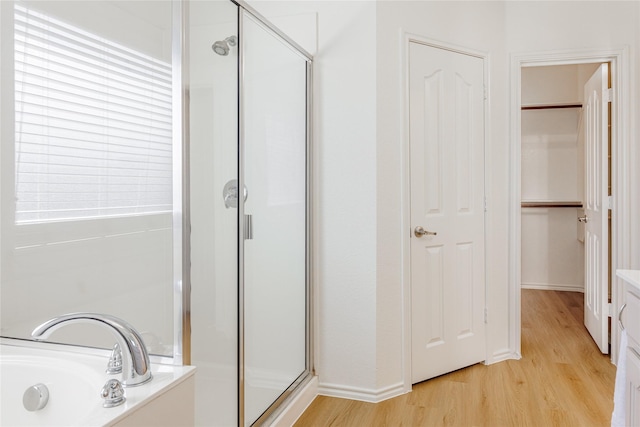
(136, 369)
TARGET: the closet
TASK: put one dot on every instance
(553, 176)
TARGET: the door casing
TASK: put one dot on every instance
(407, 38)
(620, 164)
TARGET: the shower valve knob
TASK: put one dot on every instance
(230, 194)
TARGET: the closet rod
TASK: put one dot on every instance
(545, 204)
(550, 106)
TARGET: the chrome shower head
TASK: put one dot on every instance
(221, 47)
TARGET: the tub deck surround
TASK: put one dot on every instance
(75, 380)
(632, 277)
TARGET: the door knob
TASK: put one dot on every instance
(584, 219)
(419, 232)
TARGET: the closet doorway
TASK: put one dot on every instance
(565, 184)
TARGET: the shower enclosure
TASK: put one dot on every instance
(155, 166)
(248, 133)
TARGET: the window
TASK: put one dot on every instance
(92, 124)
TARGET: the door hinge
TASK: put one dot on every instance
(610, 309)
(608, 95)
(486, 315)
(610, 200)
(485, 203)
(485, 93)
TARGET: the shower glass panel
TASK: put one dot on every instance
(273, 168)
(213, 142)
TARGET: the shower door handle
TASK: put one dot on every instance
(248, 227)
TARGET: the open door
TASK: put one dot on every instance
(596, 131)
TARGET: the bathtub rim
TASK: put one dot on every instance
(78, 349)
(166, 376)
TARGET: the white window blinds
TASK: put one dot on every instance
(93, 124)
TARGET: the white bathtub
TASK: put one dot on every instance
(74, 382)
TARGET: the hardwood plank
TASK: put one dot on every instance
(561, 380)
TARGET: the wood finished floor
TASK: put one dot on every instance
(561, 380)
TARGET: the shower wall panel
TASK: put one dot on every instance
(213, 108)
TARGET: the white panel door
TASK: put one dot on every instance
(596, 121)
(446, 101)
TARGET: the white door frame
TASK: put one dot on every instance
(620, 169)
(406, 182)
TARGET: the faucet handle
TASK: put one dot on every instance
(112, 393)
(115, 360)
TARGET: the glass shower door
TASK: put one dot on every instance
(273, 170)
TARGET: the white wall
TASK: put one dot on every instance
(346, 183)
(346, 174)
(552, 256)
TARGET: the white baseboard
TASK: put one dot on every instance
(553, 287)
(298, 405)
(362, 394)
(502, 355)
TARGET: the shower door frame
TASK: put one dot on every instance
(182, 198)
(181, 184)
(276, 406)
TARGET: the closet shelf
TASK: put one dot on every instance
(550, 106)
(550, 204)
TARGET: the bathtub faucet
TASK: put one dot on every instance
(136, 369)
